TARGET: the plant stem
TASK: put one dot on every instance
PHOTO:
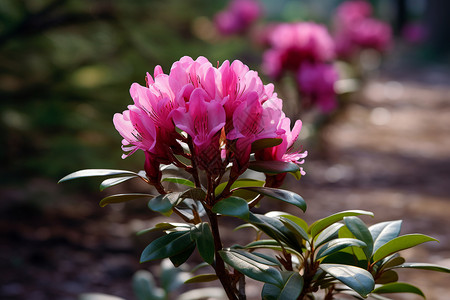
(219, 267)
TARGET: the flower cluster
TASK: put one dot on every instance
(356, 29)
(215, 112)
(238, 16)
(305, 48)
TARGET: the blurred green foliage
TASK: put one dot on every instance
(66, 67)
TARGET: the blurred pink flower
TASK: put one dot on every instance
(222, 110)
(293, 43)
(316, 84)
(355, 29)
(238, 16)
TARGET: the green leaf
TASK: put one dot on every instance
(291, 289)
(390, 261)
(283, 195)
(144, 286)
(273, 245)
(194, 193)
(273, 167)
(387, 277)
(114, 181)
(274, 228)
(202, 278)
(167, 246)
(321, 224)
(338, 244)
(422, 266)
(204, 239)
(164, 203)
(265, 143)
(361, 232)
(398, 287)
(164, 226)
(96, 172)
(232, 206)
(299, 221)
(251, 268)
(119, 198)
(344, 258)
(358, 279)
(400, 243)
(296, 229)
(328, 234)
(384, 232)
(241, 183)
(180, 258)
(179, 180)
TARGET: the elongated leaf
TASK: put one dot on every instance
(167, 246)
(251, 268)
(164, 203)
(398, 287)
(197, 194)
(144, 286)
(345, 258)
(241, 183)
(274, 228)
(114, 181)
(299, 221)
(283, 195)
(400, 243)
(391, 261)
(179, 180)
(232, 206)
(328, 234)
(273, 167)
(180, 258)
(296, 229)
(96, 172)
(361, 232)
(321, 224)
(119, 198)
(273, 245)
(293, 286)
(422, 266)
(387, 277)
(384, 232)
(165, 226)
(338, 244)
(204, 239)
(265, 143)
(202, 278)
(358, 279)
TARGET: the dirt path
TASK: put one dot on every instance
(388, 152)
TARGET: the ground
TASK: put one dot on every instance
(387, 151)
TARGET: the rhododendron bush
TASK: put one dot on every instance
(214, 125)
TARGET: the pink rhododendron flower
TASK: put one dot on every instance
(238, 16)
(293, 43)
(355, 29)
(221, 111)
(316, 81)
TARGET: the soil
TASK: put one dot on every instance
(387, 151)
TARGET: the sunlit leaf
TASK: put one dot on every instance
(164, 226)
(114, 181)
(295, 228)
(283, 195)
(338, 244)
(387, 277)
(329, 233)
(96, 172)
(321, 224)
(422, 266)
(361, 232)
(179, 180)
(241, 183)
(291, 289)
(384, 232)
(400, 243)
(119, 198)
(358, 279)
(398, 287)
(232, 206)
(252, 268)
(202, 278)
(164, 203)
